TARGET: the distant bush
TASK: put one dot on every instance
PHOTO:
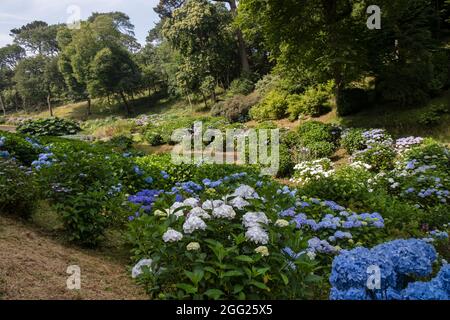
(286, 167)
(121, 142)
(433, 116)
(268, 83)
(236, 108)
(406, 85)
(49, 127)
(352, 100)
(315, 101)
(318, 139)
(154, 138)
(241, 86)
(18, 194)
(441, 71)
(274, 106)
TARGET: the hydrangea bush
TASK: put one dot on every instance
(399, 262)
(222, 243)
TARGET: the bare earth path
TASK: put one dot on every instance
(8, 128)
(33, 266)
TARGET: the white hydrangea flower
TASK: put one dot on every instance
(199, 212)
(224, 211)
(239, 203)
(192, 224)
(172, 235)
(175, 206)
(192, 202)
(254, 219)
(193, 246)
(137, 269)
(262, 250)
(245, 192)
(311, 255)
(211, 204)
(281, 223)
(257, 235)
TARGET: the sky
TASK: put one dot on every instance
(15, 13)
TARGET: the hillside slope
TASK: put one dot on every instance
(33, 266)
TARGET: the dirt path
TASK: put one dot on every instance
(8, 128)
(33, 266)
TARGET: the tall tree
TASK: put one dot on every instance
(198, 30)
(10, 56)
(312, 40)
(113, 71)
(37, 37)
(80, 47)
(166, 8)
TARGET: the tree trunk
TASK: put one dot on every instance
(49, 103)
(125, 102)
(204, 100)
(89, 112)
(189, 99)
(2, 105)
(241, 42)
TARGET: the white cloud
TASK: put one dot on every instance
(5, 39)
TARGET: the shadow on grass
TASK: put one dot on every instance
(403, 121)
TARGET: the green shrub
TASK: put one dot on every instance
(49, 127)
(241, 86)
(347, 186)
(154, 138)
(267, 84)
(18, 194)
(19, 147)
(433, 116)
(406, 84)
(441, 70)
(319, 139)
(378, 156)
(85, 217)
(286, 167)
(121, 142)
(315, 101)
(352, 140)
(236, 108)
(352, 100)
(273, 107)
(430, 153)
(219, 262)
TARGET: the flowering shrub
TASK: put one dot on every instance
(407, 143)
(399, 262)
(353, 140)
(15, 146)
(421, 177)
(312, 170)
(378, 156)
(376, 147)
(346, 185)
(18, 190)
(319, 139)
(222, 247)
(332, 227)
